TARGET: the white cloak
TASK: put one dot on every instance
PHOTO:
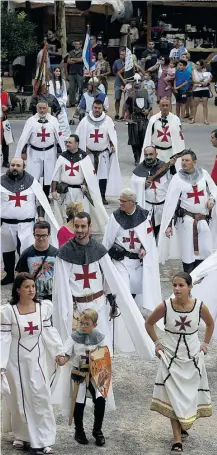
(169, 248)
(114, 181)
(177, 138)
(98, 213)
(61, 96)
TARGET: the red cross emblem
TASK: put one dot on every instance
(195, 194)
(164, 134)
(153, 185)
(72, 168)
(96, 136)
(150, 228)
(43, 134)
(131, 240)
(60, 133)
(17, 199)
(31, 328)
(181, 133)
(86, 276)
(183, 323)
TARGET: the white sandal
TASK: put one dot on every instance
(17, 444)
(48, 450)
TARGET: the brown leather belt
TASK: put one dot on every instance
(130, 255)
(88, 298)
(197, 217)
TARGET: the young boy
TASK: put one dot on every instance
(181, 84)
(77, 347)
(149, 85)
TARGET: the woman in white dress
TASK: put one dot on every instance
(181, 390)
(26, 335)
(57, 87)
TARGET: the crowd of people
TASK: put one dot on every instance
(74, 297)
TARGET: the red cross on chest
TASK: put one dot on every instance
(150, 228)
(182, 324)
(164, 134)
(195, 194)
(31, 328)
(72, 168)
(153, 185)
(86, 276)
(17, 198)
(43, 134)
(131, 240)
(96, 136)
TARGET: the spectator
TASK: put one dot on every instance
(119, 80)
(174, 53)
(181, 84)
(151, 56)
(54, 50)
(189, 68)
(149, 85)
(93, 93)
(201, 82)
(19, 73)
(96, 48)
(124, 31)
(75, 61)
(169, 79)
(103, 70)
(134, 32)
(39, 260)
(67, 232)
(181, 49)
(39, 57)
(162, 89)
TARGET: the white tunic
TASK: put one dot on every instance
(24, 341)
(181, 389)
(61, 95)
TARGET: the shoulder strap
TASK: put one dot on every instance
(40, 266)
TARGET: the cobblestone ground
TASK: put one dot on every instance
(133, 429)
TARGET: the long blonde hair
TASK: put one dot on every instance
(72, 209)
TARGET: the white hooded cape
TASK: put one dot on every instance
(114, 182)
(98, 213)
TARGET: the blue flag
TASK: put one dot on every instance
(88, 57)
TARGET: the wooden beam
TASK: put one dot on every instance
(149, 20)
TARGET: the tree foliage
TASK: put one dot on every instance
(17, 35)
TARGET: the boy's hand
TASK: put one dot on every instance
(61, 360)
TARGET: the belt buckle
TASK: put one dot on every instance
(44, 149)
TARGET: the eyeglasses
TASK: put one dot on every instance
(122, 200)
(43, 236)
(85, 324)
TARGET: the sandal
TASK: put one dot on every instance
(177, 448)
(45, 450)
(206, 122)
(18, 445)
(191, 122)
(184, 434)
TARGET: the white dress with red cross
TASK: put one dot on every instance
(25, 341)
(193, 197)
(42, 138)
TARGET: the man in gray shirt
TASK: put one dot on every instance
(117, 66)
(75, 62)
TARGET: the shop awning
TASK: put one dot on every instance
(97, 6)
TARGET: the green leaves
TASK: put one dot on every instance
(17, 35)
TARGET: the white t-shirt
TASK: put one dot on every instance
(198, 77)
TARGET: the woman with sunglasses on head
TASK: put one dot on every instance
(27, 337)
(57, 87)
(201, 82)
(181, 390)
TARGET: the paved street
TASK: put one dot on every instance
(133, 429)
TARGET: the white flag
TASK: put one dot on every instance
(129, 65)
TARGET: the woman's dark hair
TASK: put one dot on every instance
(166, 61)
(20, 278)
(185, 277)
(202, 63)
(54, 79)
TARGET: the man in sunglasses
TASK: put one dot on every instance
(39, 260)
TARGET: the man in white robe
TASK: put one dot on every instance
(151, 194)
(164, 131)
(19, 191)
(81, 268)
(42, 136)
(98, 137)
(75, 171)
(190, 202)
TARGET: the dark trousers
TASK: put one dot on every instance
(137, 150)
(102, 187)
(5, 151)
(188, 268)
(75, 84)
(99, 411)
(9, 261)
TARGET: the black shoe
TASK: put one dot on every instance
(98, 435)
(117, 117)
(81, 437)
(4, 164)
(7, 280)
(104, 201)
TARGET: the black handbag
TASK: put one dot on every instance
(117, 252)
(62, 188)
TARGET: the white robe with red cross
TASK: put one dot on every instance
(97, 134)
(40, 163)
(169, 137)
(193, 199)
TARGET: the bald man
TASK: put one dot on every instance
(19, 191)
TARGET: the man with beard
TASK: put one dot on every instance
(164, 131)
(19, 191)
(214, 143)
(138, 106)
(150, 194)
(97, 137)
(85, 277)
(74, 180)
(41, 139)
(190, 206)
(131, 244)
